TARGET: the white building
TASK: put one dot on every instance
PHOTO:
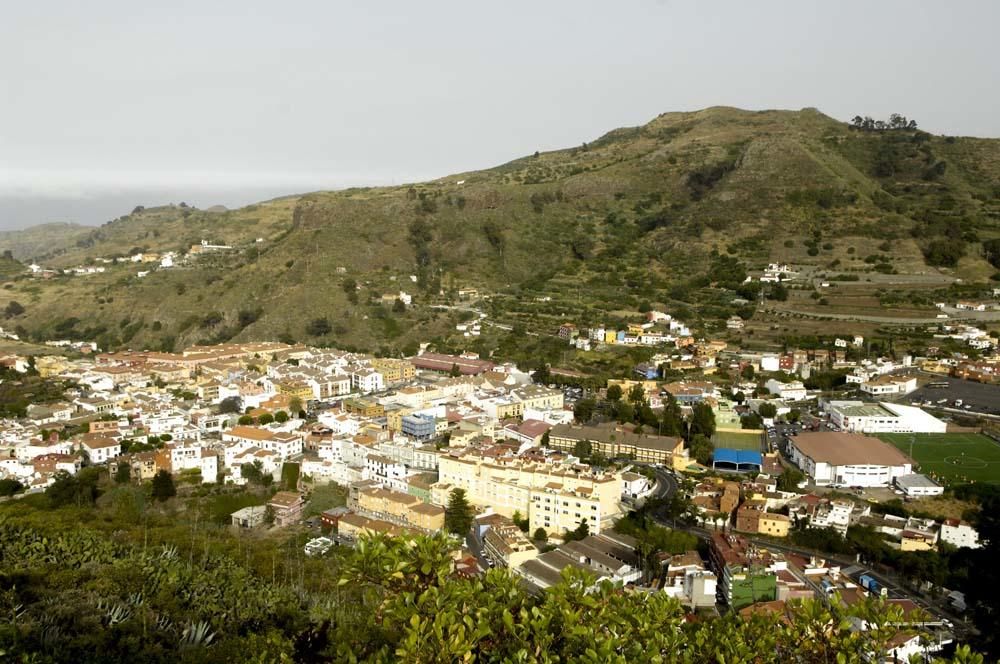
(917, 485)
(770, 363)
(101, 450)
(860, 417)
(189, 457)
(837, 514)
(390, 474)
(792, 391)
(959, 534)
(367, 380)
(848, 459)
(635, 485)
(889, 385)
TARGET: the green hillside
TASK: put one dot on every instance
(41, 239)
(673, 213)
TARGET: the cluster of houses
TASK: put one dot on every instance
(407, 430)
(147, 261)
(658, 329)
(758, 507)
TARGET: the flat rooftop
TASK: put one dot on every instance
(861, 409)
(848, 449)
(916, 481)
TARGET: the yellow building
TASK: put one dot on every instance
(394, 417)
(649, 387)
(506, 544)
(553, 497)
(402, 507)
(427, 517)
(773, 524)
(538, 397)
(295, 388)
(393, 370)
(364, 407)
(914, 541)
(508, 409)
(355, 525)
(50, 365)
(616, 440)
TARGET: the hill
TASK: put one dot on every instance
(39, 240)
(674, 213)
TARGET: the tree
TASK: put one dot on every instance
(614, 392)
(747, 372)
(540, 535)
(767, 410)
(581, 531)
(455, 371)
(163, 486)
(701, 449)
(739, 397)
(542, 375)
(625, 412)
(793, 415)
(520, 521)
(318, 327)
(13, 308)
(546, 442)
(945, 252)
(281, 417)
(290, 476)
(789, 479)
(458, 514)
(123, 473)
(265, 418)
(583, 410)
(252, 472)
(702, 420)
(8, 487)
(636, 395)
(245, 420)
(80, 489)
(295, 405)
(672, 420)
(230, 405)
(583, 449)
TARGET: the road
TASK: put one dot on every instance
(666, 483)
(964, 317)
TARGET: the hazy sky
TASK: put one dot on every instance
(227, 101)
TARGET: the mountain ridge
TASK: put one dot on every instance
(676, 211)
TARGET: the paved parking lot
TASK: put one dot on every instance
(980, 397)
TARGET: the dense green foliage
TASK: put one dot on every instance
(77, 596)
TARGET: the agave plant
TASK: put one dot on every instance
(197, 634)
(118, 614)
(164, 623)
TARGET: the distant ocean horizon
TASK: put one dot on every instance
(18, 212)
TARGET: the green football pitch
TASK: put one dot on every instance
(951, 458)
(737, 440)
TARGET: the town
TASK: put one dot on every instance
(727, 479)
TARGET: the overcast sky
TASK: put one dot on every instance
(214, 101)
